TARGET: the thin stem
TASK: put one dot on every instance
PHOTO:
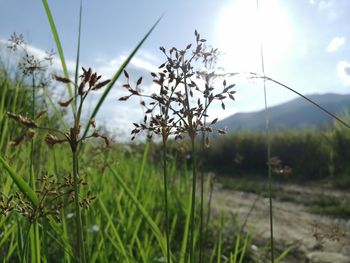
(35, 235)
(193, 198)
(268, 146)
(268, 153)
(26, 241)
(79, 223)
(309, 100)
(201, 224)
(165, 177)
(209, 200)
(201, 214)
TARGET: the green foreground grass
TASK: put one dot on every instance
(120, 196)
(66, 198)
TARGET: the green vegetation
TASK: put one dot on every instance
(70, 194)
(123, 217)
(65, 201)
(297, 156)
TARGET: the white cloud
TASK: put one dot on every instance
(332, 15)
(335, 44)
(312, 2)
(143, 62)
(325, 4)
(343, 70)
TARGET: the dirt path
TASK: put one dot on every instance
(316, 238)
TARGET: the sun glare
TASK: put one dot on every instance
(242, 26)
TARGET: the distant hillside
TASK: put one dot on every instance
(295, 114)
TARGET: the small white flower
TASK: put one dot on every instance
(70, 215)
(95, 228)
(254, 247)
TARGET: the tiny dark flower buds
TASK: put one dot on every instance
(65, 103)
(22, 120)
(51, 139)
(61, 79)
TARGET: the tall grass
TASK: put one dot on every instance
(128, 215)
(122, 225)
(139, 222)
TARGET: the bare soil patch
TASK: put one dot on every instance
(313, 237)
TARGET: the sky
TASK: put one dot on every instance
(305, 44)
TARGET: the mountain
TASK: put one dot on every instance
(295, 114)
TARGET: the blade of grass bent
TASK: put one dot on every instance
(31, 195)
(58, 45)
(21, 184)
(116, 76)
(55, 110)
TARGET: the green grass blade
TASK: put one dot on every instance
(58, 44)
(142, 168)
(244, 249)
(283, 254)
(142, 210)
(55, 110)
(65, 235)
(186, 231)
(6, 234)
(34, 243)
(116, 76)
(97, 252)
(120, 244)
(21, 184)
(78, 56)
(236, 249)
(219, 247)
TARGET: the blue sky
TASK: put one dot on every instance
(306, 43)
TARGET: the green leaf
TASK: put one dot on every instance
(55, 110)
(78, 55)
(32, 197)
(21, 184)
(116, 76)
(58, 44)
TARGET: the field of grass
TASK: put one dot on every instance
(69, 193)
(120, 198)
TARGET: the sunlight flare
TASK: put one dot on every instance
(242, 26)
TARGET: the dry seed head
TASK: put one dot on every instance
(92, 78)
(177, 91)
(93, 123)
(51, 139)
(61, 79)
(40, 114)
(65, 103)
(17, 141)
(22, 120)
(101, 84)
(15, 41)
